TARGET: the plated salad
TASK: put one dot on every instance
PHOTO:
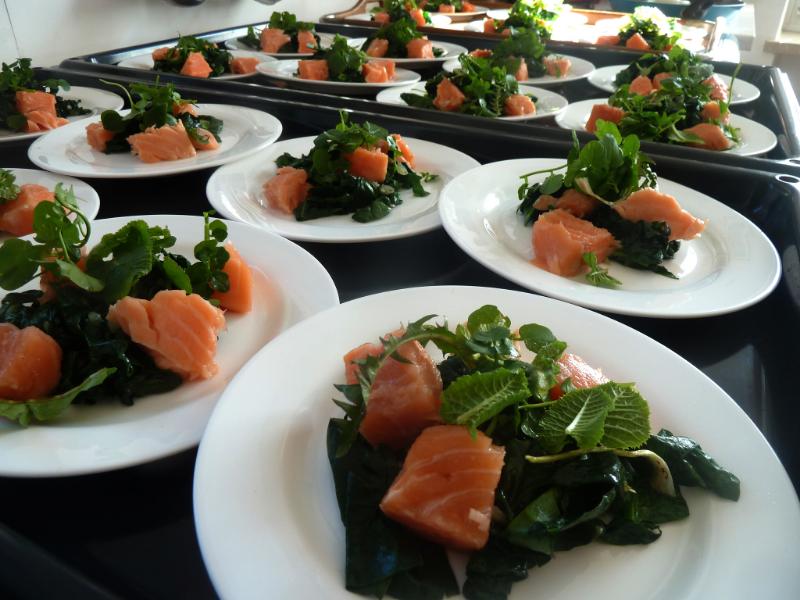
(126, 319)
(507, 447)
(400, 39)
(196, 57)
(160, 126)
(535, 15)
(356, 169)
(395, 10)
(603, 204)
(524, 55)
(475, 88)
(284, 34)
(647, 28)
(29, 105)
(341, 62)
(448, 6)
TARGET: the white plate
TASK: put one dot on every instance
(580, 69)
(236, 191)
(284, 70)
(437, 20)
(756, 138)
(325, 40)
(289, 286)
(732, 265)
(548, 104)
(145, 62)
(65, 150)
(91, 99)
(743, 91)
(88, 200)
(265, 507)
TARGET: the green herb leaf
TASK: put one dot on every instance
(473, 399)
(597, 275)
(9, 190)
(19, 261)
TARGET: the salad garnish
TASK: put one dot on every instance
(535, 15)
(9, 189)
(288, 24)
(398, 34)
(394, 10)
(649, 23)
(174, 58)
(581, 463)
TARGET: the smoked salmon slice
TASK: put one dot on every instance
(405, 397)
(420, 48)
(306, 42)
(659, 77)
(178, 330)
(196, 66)
(315, 70)
(378, 48)
(481, 53)
(557, 66)
(607, 40)
(408, 155)
(369, 164)
(448, 96)
(239, 297)
(170, 142)
(719, 91)
(16, 216)
(560, 240)
(447, 8)
(517, 105)
(712, 112)
(580, 373)
(98, 136)
(382, 18)
(574, 202)
(161, 53)
(205, 141)
(39, 108)
(378, 71)
(605, 112)
(272, 40)
(287, 189)
(651, 205)
(445, 490)
(637, 42)
(712, 135)
(641, 86)
(418, 16)
(30, 363)
(521, 74)
(244, 65)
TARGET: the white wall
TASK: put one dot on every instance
(49, 31)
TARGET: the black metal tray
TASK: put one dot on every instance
(776, 108)
(130, 534)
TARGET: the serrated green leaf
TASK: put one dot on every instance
(628, 423)
(474, 399)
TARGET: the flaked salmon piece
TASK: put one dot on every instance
(184, 107)
(468, 7)
(419, 48)
(448, 96)
(378, 48)
(447, 8)
(481, 53)
(492, 26)
(315, 70)
(408, 155)
(179, 331)
(573, 201)
(637, 42)
(378, 71)
(389, 65)
(580, 373)
(16, 216)
(371, 164)
(405, 397)
(27, 101)
(161, 53)
(713, 136)
(30, 363)
(445, 490)
(170, 142)
(287, 189)
(641, 86)
(306, 42)
(244, 65)
(196, 66)
(381, 18)
(659, 77)
(560, 240)
(210, 142)
(604, 112)
(239, 297)
(607, 40)
(98, 136)
(719, 90)
(521, 74)
(712, 112)
(557, 66)
(517, 105)
(272, 40)
(418, 16)
(651, 205)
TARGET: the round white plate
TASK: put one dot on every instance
(756, 138)
(743, 91)
(548, 104)
(289, 285)
(145, 62)
(732, 265)
(265, 507)
(88, 200)
(236, 191)
(437, 20)
(580, 69)
(325, 40)
(91, 99)
(284, 70)
(65, 150)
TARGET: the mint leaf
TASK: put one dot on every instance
(45, 409)
(474, 399)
